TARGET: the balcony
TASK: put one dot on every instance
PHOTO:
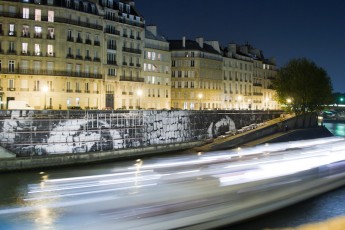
(96, 43)
(138, 38)
(96, 59)
(69, 90)
(38, 35)
(88, 58)
(138, 65)
(109, 62)
(131, 64)
(79, 57)
(87, 91)
(111, 47)
(131, 50)
(78, 91)
(12, 33)
(112, 31)
(12, 52)
(25, 53)
(79, 40)
(132, 36)
(70, 39)
(78, 23)
(258, 94)
(51, 73)
(124, 63)
(26, 35)
(11, 89)
(50, 37)
(71, 56)
(133, 79)
(50, 54)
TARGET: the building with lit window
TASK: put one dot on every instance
(237, 79)
(157, 75)
(196, 74)
(60, 54)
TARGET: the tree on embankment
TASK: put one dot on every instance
(303, 86)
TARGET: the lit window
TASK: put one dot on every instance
(26, 13)
(37, 49)
(24, 48)
(11, 32)
(50, 16)
(26, 31)
(38, 31)
(50, 50)
(38, 14)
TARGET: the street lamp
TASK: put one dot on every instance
(139, 93)
(289, 100)
(200, 97)
(45, 90)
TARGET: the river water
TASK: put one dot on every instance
(317, 209)
(14, 186)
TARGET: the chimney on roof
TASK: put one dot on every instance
(200, 41)
(231, 49)
(184, 42)
(152, 29)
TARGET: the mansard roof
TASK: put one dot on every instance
(191, 45)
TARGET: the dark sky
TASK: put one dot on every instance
(283, 29)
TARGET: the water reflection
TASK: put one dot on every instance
(338, 129)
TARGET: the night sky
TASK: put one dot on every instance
(283, 29)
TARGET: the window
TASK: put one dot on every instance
(50, 50)
(37, 85)
(38, 14)
(69, 68)
(24, 48)
(37, 67)
(11, 84)
(50, 67)
(68, 86)
(11, 31)
(50, 2)
(77, 70)
(26, 13)
(37, 49)
(50, 33)
(50, 16)
(38, 32)
(26, 31)
(11, 47)
(11, 66)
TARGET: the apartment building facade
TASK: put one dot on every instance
(157, 71)
(59, 54)
(196, 74)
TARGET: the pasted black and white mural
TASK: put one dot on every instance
(34, 133)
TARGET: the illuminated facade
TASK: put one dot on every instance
(66, 53)
(157, 74)
(196, 74)
(95, 54)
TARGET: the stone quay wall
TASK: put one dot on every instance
(42, 133)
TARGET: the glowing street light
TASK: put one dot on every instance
(289, 100)
(200, 97)
(139, 93)
(45, 90)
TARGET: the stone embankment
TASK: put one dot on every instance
(250, 133)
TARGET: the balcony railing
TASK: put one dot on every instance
(109, 62)
(131, 50)
(96, 59)
(257, 84)
(111, 31)
(134, 79)
(78, 23)
(79, 40)
(96, 43)
(88, 58)
(70, 39)
(51, 73)
(69, 90)
(88, 41)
